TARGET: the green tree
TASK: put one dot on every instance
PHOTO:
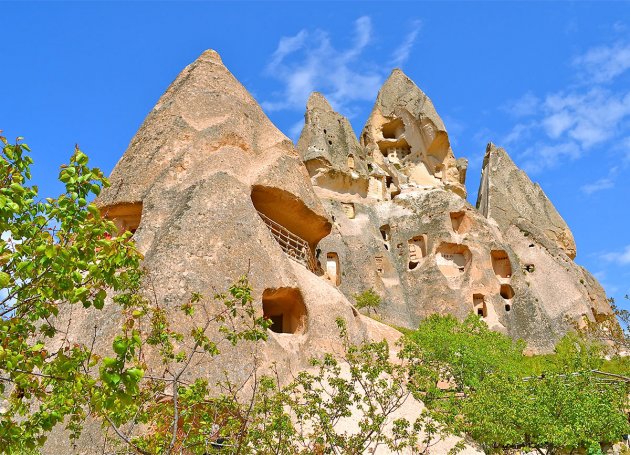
(492, 395)
(53, 251)
(368, 299)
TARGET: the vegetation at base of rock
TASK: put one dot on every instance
(52, 250)
(506, 400)
(368, 299)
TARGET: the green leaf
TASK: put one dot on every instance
(5, 278)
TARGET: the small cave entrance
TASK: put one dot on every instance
(506, 291)
(392, 189)
(332, 268)
(294, 226)
(460, 222)
(393, 129)
(398, 153)
(386, 235)
(501, 264)
(479, 305)
(379, 264)
(126, 217)
(348, 209)
(453, 259)
(417, 250)
(351, 162)
(285, 308)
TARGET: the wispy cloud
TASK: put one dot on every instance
(401, 55)
(621, 257)
(308, 61)
(604, 63)
(568, 124)
(601, 184)
(526, 105)
(598, 185)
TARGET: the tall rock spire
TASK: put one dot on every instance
(405, 133)
(328, 140)
(508, 196)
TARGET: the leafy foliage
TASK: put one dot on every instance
(368, 299)
(57, 253)
(491, 395)
(51, 251)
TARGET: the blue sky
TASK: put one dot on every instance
(549, 81)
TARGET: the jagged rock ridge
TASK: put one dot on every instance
(212, 189)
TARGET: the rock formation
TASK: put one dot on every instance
(410, 234)
(509, 197)
(212, 189)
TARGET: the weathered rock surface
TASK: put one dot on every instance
(508, 196)
(405, 135)
(424, 249)
(212, 190)
(210, 185)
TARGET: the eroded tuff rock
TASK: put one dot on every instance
(426, 250)
(509, 197)
(211, 190)
(405, 136)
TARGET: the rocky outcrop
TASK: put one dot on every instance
(405, 135)
(327, 140)
(424, 249)
(213, 190)
(330, 150)
(509, 197)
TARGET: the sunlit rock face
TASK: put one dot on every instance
(406, 137)
(410, 234)
(213, 190)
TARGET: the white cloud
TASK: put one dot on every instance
(542, 156)
(601, 184)
(557, 123)
(602, 64)
(598, 185)
(287, 46)
(526, 105)
(401, 55)
(308, 62)
(569, 123)
(619, 257)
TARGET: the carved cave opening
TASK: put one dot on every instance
(286, 310)
(348, 209)
(501, 263)
(460, 222)
(453, 259)
(417, 250)
(379, 264)
(386, 235)
(506, 291)
(126, 217)
(332, 268)
(295, 227)
(479, 305)
(393, 129)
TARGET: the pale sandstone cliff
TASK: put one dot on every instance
(213, 189)
(413, 237)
